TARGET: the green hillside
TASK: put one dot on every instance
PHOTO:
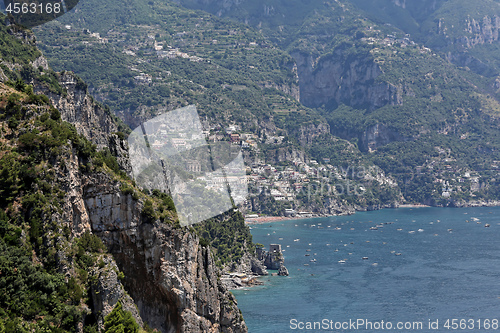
(231, 72)
(375, 71)
(417, 105)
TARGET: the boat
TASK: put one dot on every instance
(373, 228)
(486, 225)
(296, 240)
(341, 261)
(398, 253)
(312, 260)
(420, 230)
(365, 258)
(307, 254)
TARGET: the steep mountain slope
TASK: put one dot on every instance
(464, 32)
(239, 81)
(77, 236)
(428, 123)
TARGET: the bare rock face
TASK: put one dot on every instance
(349, 81)
(480, 31)
(248, 265)
(283, 271)
(469, 32)
(79, 108)
(107, 290)
(378, 135)
(89, 118)
(172, 279)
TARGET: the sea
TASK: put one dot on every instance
(401, 270)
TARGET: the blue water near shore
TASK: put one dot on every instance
(410, 275)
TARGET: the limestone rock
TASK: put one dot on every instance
(283, 271)
(107, 290)
(171, 278)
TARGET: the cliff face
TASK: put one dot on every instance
(78, 107)
(170, 281)
(340, 80)
(475, 31)
(171, 278)
(378, 135)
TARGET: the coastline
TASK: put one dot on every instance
(271, 219)
(413, 206)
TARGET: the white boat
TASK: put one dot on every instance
(341, 261)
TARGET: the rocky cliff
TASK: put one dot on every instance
(338, 79)
(172, 279)
(156, 269)
(475, 31)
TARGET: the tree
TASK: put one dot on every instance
(120, 321)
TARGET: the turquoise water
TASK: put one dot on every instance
(409, 276)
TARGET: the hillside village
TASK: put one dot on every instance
(289, 186)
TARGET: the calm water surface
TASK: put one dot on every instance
(423, 264)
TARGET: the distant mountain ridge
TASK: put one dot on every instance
(376, 83)
(397, 77)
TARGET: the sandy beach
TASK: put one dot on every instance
(267, 219)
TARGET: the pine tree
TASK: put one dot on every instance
(120, 321)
